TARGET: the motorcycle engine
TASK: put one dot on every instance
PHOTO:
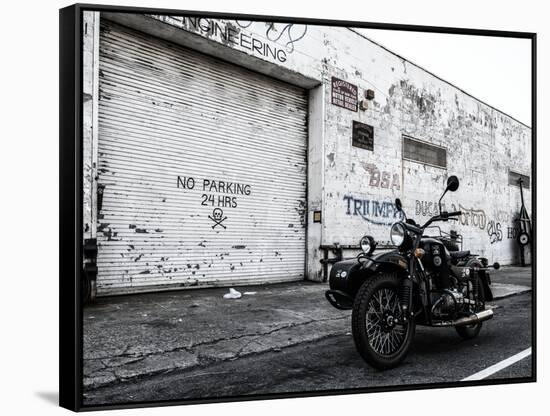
(448, 303)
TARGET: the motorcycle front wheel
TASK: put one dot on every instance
(380, 335)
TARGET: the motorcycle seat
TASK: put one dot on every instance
(459, 254)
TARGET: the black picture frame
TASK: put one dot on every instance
(70, 214)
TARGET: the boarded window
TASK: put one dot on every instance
(362, 136)
(514, 177)
(423, 152)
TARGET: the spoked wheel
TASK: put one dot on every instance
(472, 331)
(381, 336)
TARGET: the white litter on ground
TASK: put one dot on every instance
(233, 294)
(249, 293)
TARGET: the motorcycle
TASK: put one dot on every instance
(426, 281)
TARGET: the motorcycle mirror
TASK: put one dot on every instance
(452, 183)
(398, 204)
(496, 266)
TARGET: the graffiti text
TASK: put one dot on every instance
(382, 179)
(494, 231)
(375, 212)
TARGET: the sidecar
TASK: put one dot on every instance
(347, 276)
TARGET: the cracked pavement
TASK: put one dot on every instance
(131, 337)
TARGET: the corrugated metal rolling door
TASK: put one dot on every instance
(183, 136)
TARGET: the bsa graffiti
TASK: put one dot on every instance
(494, 231)
(375, 212)
(382, 179)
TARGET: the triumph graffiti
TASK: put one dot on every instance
(373, 211)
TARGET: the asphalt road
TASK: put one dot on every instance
(437, 355)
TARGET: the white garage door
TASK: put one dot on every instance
(202, 166)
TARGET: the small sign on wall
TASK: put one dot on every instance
(316, 216)
(344, 94)
(362, 136)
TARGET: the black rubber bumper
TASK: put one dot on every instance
(339, 299)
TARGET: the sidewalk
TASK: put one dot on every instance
(510, 281)
(147, 334)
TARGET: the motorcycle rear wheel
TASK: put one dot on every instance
(472, 331)
(380, 336)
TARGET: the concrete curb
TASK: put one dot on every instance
(503, 291)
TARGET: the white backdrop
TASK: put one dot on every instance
(495, 70)
(29, 185)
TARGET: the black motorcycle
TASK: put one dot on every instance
(424, 281)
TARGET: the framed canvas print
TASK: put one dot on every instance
(263, 207)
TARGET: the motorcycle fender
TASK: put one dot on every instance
(486, 280)
(484, 277)
(347, 276)
(390, 261)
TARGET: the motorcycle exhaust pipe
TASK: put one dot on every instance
(474, 318)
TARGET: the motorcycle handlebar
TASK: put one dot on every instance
(444, 216)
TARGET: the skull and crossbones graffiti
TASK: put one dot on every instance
(217, 217)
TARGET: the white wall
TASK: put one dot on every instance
(482, 144)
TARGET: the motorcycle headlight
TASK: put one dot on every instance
(367, 244)
(398, 234)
